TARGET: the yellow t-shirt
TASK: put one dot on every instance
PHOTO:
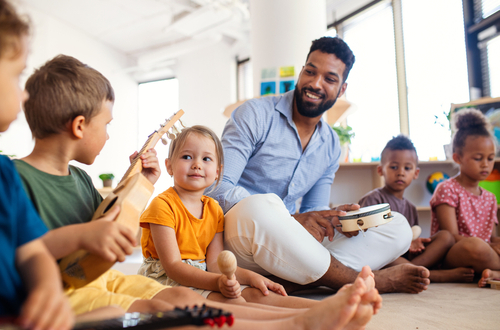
(193, 234)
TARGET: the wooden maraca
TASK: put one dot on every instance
(416, 230)
(227, 263)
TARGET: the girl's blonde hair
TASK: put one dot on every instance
(179, 141)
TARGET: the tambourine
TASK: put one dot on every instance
(366, 217)
(494, 283)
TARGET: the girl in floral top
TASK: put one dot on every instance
(463, 208)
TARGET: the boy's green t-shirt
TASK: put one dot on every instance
(60, 200)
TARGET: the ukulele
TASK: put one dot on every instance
(132, 195)
(196, 315)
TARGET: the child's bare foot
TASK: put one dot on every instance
(369, 305)
(334, 312)
(455, 275)
(406, 278)
(488, 274)
(368, 277)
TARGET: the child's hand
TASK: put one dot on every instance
(150, 166)
(229, 288)
(107, 238)
(47, 308)
(417, 245)
(263, 284)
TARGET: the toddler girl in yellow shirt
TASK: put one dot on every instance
(183, 229)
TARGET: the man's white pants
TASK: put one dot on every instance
(265, 238)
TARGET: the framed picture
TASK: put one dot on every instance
(267, 88)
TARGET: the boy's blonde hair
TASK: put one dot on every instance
(12, 28)
(177, 144)
(61, 90)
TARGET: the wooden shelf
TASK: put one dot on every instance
(420, 163)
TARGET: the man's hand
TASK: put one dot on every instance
(321, 223)
(336, 221)
(417, 245)
(107, 238)
(229, 288)
(150, 166)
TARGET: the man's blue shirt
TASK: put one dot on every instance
(263, 154)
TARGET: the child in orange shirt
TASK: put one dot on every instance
(183, 230)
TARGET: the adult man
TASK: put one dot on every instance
(278, 150)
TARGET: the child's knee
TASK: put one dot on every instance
(476, 248)
(150, 306)
(179, 296)
(446, 238)
(252, 294)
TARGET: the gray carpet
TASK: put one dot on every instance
(442, 306)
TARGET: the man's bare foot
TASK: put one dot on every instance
(334, 312)
(455, 275)
(488, 274)
(405, 278)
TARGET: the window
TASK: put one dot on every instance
(428, 64)
(493, 50)
(482, 22)
(372, 83)
(158, 100)
(436, 70)
(245, 79)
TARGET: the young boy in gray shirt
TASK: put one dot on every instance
(399, 167)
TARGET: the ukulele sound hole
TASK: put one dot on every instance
(110, 205)
(360, 222)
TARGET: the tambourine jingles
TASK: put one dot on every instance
(366, 217)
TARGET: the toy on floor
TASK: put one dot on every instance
(494, 283)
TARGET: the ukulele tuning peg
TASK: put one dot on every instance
(164, 141)
(171, 136)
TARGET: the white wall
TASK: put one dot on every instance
(207, 85)
(52, 37)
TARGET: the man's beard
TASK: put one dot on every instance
(307, 109)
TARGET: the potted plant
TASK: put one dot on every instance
(107, 179)
(345, 134)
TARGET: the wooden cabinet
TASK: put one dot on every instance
(353, 180)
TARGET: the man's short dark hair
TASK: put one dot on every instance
(337, 47)
(399, 142)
